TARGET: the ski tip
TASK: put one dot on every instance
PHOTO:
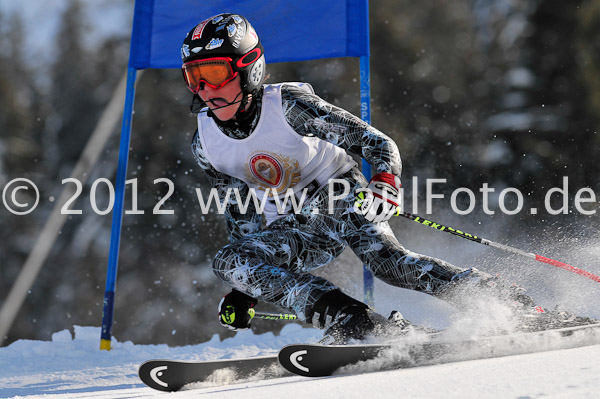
(314, 360)
(156, 375)
(291, 357)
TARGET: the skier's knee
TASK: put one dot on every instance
(223, 261)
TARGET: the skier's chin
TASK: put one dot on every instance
(225, 113)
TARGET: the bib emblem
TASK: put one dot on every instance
(273, 171)
(266, 169)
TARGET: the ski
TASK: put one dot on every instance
(169, 375)
(313, 360)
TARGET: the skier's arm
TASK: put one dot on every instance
(309, 115)
(238, 223)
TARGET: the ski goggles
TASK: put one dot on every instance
(215, 72)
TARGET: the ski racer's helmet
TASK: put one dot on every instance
(218, 49)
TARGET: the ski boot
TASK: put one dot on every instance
(530, 317)
(399, 323)
(404, 326)
(398, 328)
(541, 319)
(474, 287)
(343, 318)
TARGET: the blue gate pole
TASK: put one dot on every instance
(117, 219)
(365, 114)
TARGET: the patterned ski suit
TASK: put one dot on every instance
(273, 263)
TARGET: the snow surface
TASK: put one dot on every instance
(74, 367)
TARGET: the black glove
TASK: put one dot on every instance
(233, 310)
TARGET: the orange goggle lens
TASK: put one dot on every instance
(215, 72)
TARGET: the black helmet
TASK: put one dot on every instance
(228, 35)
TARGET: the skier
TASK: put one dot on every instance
(279, 137)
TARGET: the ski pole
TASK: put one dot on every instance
(503, 247)
(271, 316)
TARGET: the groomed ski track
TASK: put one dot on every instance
(570, 373)
(75, 368)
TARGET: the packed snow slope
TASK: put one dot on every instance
(73, 367)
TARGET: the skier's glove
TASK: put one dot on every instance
(235, 310)
(381, 199)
